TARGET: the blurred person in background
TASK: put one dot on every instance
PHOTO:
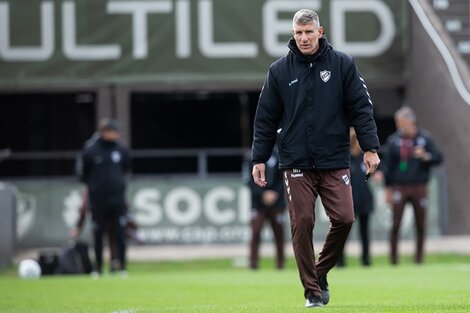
(408, 158)
(267, 204)
(104, 164)
(362, 199)
(309, 100)
(130, 229)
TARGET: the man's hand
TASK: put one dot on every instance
(74, 232)
(422, 154)
(371, 161)
(259, 174)
(269, 197)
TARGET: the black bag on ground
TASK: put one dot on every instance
(49, 261)
(74, 259)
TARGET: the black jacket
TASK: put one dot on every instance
(400, 167)
(104, 167)
(308, 104)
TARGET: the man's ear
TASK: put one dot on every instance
(321, 31)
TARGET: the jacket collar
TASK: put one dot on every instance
(324, 47)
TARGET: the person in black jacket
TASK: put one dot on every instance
(130, 229)
(267, 204)
(363, 199)
(409, 157)
(309, 100)
(104, 164)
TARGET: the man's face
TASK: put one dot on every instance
(406, 126)
(110, 135)
(307, 37)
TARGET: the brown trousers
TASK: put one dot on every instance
(276, 219)
(302, 189)
(417, 195)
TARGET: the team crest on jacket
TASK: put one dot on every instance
(325, 75)
(116, 156)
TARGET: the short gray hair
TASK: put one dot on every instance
(405, 112)
(305, 16)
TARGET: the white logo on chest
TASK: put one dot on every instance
(115, 156)
(325, 75)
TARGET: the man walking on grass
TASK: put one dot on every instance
(309, 100)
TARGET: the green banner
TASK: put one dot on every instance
(184, 41)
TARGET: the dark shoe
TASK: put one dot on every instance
(313, 302)
(325, 292)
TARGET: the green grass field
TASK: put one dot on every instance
(441, 285)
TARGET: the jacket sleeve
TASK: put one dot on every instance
(83, 165)
(359, 107)
(433, 149)
(267, 119)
